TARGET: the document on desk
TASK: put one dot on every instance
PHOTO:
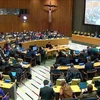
(23, 65)
(78, 66)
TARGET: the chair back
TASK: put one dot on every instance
(91, 73)
(20, 60)
(73, 75)
(12, 58)
(27, 59)
(75, 81)
(95, 79)
(6, 77)
(59, 81)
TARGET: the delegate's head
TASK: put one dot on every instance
(45, 82)
(90, 88)
(89, 59)
(71, 65)
(63, 83)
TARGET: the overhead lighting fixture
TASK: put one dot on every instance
(25, 17)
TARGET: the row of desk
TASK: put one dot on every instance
(75, 88)
(64, 68)
(86, 39)
(58, 41)
(11, 87)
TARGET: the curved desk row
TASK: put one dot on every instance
(86, 39)
(63, 68)
(58, 41)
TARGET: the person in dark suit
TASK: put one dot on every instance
(72, 68)
(48, 45)
(29, 53)
(46, 93)
(64, 60)
(73, 73)
(88, 94)
(89, 65)
(82, 58)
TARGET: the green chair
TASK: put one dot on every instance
(95, 79)
(75, 81)
(59, 81)
(6, 77)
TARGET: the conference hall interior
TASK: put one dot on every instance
(49, 49)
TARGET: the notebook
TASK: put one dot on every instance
(83, 85)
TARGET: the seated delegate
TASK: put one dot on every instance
(89, 65)
(88, 94)
(73, 73)
(48, 45)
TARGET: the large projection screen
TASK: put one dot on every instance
(92, 12)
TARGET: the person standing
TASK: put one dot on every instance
(46, 93)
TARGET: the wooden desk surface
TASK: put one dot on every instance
(55, 48)
(56, 89)
(66, 67)
(75, 88)
(58, 41)
(27, 66)
(6, 85)
(86, 39)
(90, 82)
(23, 65)
(96, 64)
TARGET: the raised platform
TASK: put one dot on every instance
(86, 39)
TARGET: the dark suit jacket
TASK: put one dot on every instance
(89, 66)
(30, 54)
(49, 46)
(73, 73)
(47, 93)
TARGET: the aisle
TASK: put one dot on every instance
(29, 89)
